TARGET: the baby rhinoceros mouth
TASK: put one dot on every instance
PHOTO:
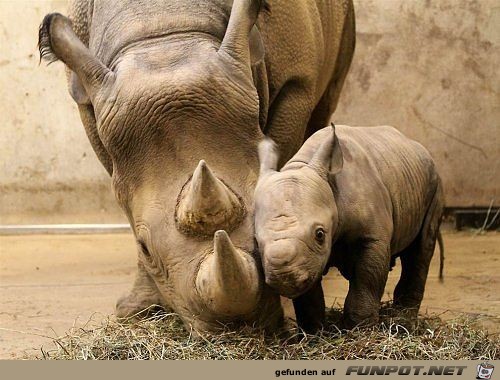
(290, 285)
(206, 204)
(285, 269)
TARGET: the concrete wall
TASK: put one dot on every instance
(431, 69)
(428, 68)
(49, 172)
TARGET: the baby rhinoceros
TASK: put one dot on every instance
(352, 198)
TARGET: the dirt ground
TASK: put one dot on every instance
(50, 283)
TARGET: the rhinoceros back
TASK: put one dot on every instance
(386, 162)
(406, 170)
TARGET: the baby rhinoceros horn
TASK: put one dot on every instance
(206, 204)
(228, 279)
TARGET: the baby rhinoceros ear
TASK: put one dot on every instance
(268, 156)
(328, 159)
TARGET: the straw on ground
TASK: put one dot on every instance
(162, 336)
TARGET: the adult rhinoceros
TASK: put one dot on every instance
(175, 96)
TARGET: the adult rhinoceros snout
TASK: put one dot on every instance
(206, 204)
(228, 279)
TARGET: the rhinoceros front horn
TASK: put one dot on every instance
(206, 204)
(228, 279)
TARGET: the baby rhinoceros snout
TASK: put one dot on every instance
(289, 284)
(283, 271)
(279, 254)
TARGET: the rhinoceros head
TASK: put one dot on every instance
(296, 216)
(178, 117)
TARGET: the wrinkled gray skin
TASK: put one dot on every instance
(355, 199)
(175, 96)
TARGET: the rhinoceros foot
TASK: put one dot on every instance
(144, 298)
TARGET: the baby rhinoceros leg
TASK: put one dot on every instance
(366, 286)
(409, 290)
(310, 309)
(415, 262)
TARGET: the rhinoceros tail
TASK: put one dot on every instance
(44, 43)
(441, 255)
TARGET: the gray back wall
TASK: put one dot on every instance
(431, 69)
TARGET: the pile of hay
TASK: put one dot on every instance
(162, 336)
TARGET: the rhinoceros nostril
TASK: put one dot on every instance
(303, 280)
(270, 279)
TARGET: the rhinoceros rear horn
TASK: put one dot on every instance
(206, 204)
(236, 41)
(228, 279)
(58, 41)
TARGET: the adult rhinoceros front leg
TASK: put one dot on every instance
(143, 295)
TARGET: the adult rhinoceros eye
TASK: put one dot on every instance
(320, 234)
(144, 249)
(152, 263)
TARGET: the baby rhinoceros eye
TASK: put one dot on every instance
(319, 235)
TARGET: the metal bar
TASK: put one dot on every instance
(61, 229)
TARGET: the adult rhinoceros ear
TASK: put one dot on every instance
(268, 156)
(77, 91)
(236, 42)
(328, 159)
(257, 51)
(57, 41)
